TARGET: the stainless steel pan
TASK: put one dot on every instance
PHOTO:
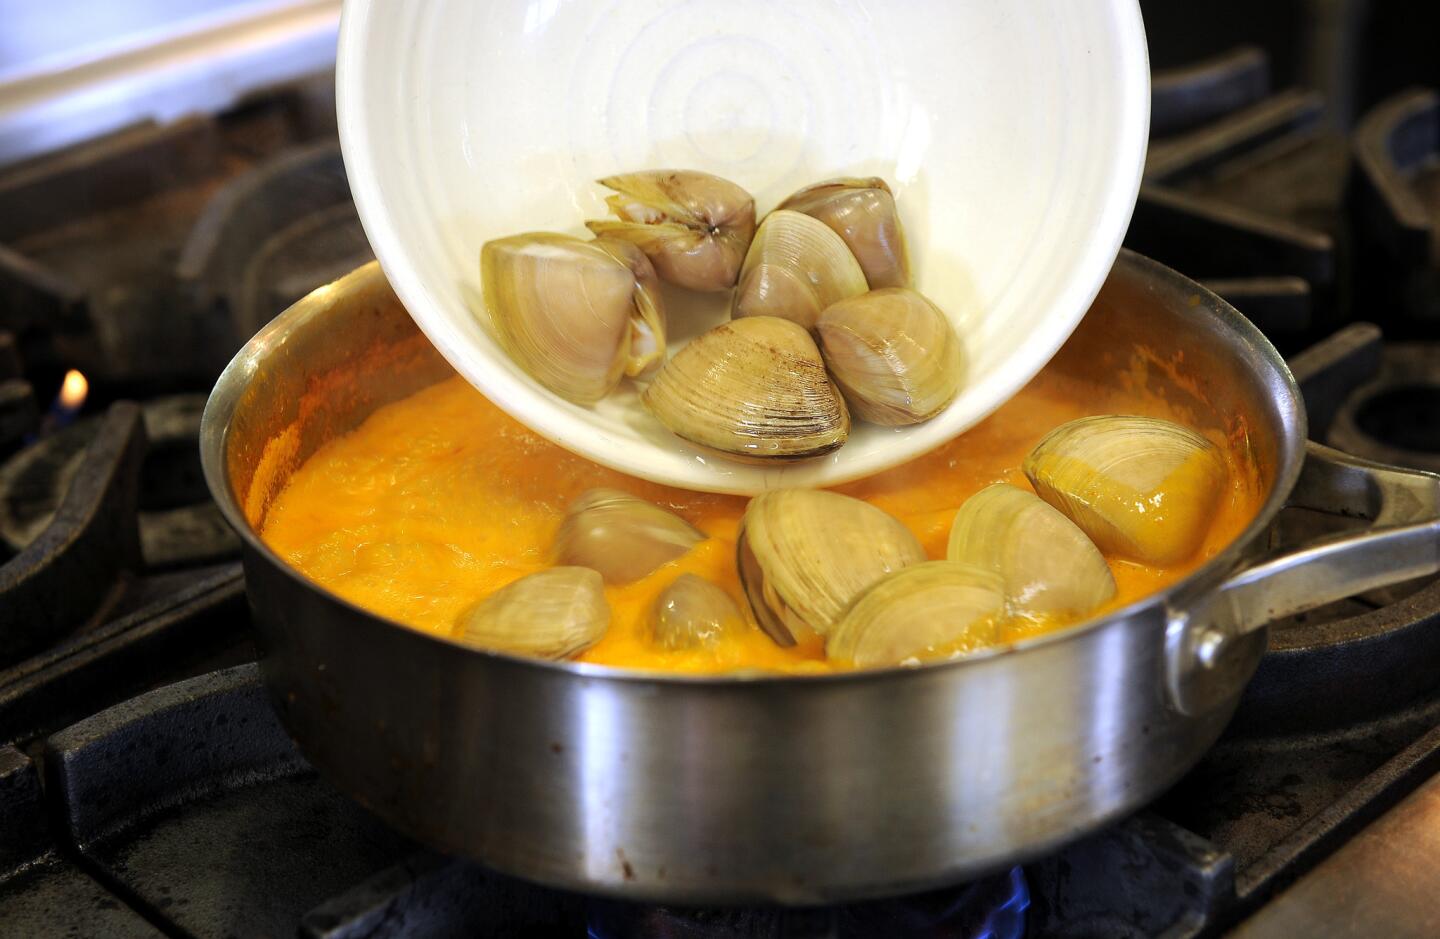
(789, 789)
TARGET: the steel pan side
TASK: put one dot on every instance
(720, 792)
(725, 790)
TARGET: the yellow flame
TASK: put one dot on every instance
(73, 390)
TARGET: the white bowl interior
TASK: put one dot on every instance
(1013, 135)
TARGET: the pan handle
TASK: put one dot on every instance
(1403, 543)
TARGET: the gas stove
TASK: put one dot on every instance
(146, 787)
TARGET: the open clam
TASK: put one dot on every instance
(1142, 488)
(693, 612)
(622, 537)
(753, 389)
(574, 314)
(805, 554)
(796, 267)
(930, 610)
(862, 212)
(694, 227)
(1046, 562)
(893, 353)
(551, 614)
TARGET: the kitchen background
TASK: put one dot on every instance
(170, 180)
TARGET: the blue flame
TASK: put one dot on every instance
(1007, 921)
(993, 908)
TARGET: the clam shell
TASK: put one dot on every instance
(1141, 488)
(693, 613)
(754, 389)
(893, 353)
(933, 610)
(567, 311)
(805, 554)
(862, 212)
(551, 614)
(795, 268)
(622, 537)
(1047, 564)
(694, 227)
(647, 327)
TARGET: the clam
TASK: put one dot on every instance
(622, 537)
(930, 610)
(893, 353)
(754, 389)
(862, 212)
(795, 268)
(1046, 563)
(694, 227)
(647, 334)
(572, 313)
(1142, 488)
(552, 614)
(805, 554)
(693, 612)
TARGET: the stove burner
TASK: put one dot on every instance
(1185, 98)
(1395, 418)
(271, 236)
(66, 575)
(991, 908)
(1398, 415)
(89, 240)
(18, 414)
(1396, 191)
(1245, 192)
(83, 626)
(178, 522)
(36, 480)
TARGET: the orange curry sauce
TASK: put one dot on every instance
(439, 499)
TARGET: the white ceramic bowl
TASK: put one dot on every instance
(1013, 134)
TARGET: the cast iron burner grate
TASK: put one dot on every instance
(1244, 191)
(179, 525)
(142, 261)
(96, 245)
(191, 804)
(1396, 194)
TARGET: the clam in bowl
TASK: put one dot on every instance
(1012, 136)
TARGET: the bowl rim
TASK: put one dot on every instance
(555, 420)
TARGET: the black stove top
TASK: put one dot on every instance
(145, 786)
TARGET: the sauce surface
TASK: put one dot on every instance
(439, 499)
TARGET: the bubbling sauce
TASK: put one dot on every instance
(441, 498)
